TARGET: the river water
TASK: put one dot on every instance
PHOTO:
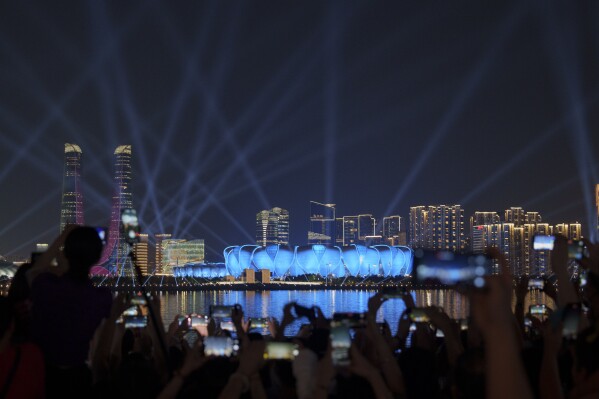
(270, 303)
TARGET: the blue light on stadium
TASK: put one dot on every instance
(354, 260)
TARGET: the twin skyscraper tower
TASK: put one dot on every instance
(114, 256)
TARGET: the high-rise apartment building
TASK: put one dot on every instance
(272, 227)
(322, 224)
(478, 240)
(516, 216)
(71, 210)
(438, 227)
(418, 226)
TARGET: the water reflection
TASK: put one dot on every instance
(270, 303)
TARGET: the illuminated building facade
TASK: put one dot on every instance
(438, 227)
(141, 250)
(350, 230)
(334, 261)
(392, 230)
(158, 238)
(322, 224)
(272, 227)
(176, 252)
(339, 231)
(201, 270)
(71, 210)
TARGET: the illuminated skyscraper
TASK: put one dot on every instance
(322, 224)
(272, 227)
(121, 200)
(71, 210)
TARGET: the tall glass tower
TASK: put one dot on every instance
(121, 199)
(71, 210)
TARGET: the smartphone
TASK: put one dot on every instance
(349, 319)
(450, 268)
(340, 344)
(302, 311)
(543, 243)
(259, 322)
(135, 321)
(280, 351)
(536, 284)
(139, 300)
(131, 311)
(220, 346)
(576, 249)
(221, 311)
(418, 315)
(130, 225)
(439, 334)
(196, 320)
(538, 310)
(227, 326)
(571, 320)
(102, 233)
(394, 292)
(191, 337)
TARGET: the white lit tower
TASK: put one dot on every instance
(121, 199)
(71, 210)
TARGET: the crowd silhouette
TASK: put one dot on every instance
(61, 337)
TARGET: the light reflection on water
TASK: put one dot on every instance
(270, 303)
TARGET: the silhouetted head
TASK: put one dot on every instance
(83, 249)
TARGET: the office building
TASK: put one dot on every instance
(272, 227)
(141, 250)
(158, 239)
(71, 209)
(322, 224)
(263, 276)
(178, 252)
(249, 276)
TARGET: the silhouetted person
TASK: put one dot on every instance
(67, 309)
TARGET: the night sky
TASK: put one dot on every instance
(232, 107)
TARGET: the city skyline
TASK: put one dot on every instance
(236, 108)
